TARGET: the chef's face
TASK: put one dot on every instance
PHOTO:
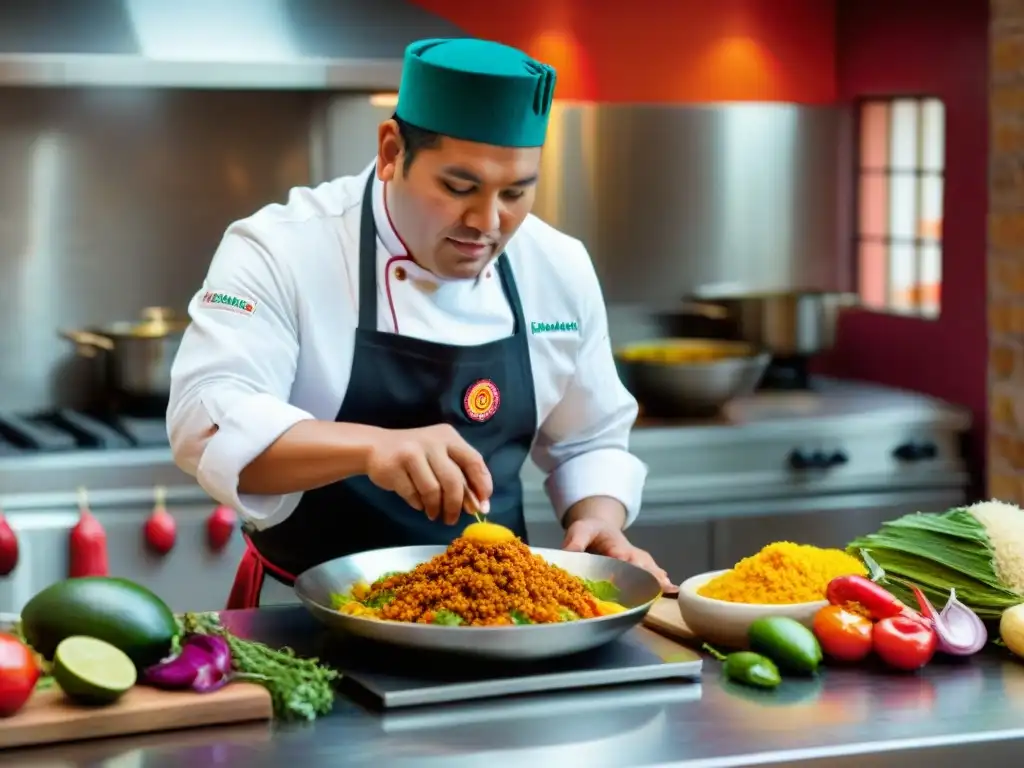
(458, 203)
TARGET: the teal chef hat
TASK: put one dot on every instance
(476, 90)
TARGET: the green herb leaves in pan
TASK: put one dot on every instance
(339, 600)
(379, 599)
(602, 590)
(976, 550)
(447, 618)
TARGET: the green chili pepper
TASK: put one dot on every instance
(748, 668)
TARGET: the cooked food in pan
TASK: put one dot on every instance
(486, 577)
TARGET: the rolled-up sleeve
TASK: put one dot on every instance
(233, 374)
(583, 444)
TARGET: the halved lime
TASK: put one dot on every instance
(92, 671)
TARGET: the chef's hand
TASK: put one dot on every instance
(430, 468)
(603, 538)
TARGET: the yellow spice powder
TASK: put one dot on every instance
(781, 573)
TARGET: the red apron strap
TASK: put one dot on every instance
(252, 568)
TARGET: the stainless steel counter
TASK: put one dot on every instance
(943, 716)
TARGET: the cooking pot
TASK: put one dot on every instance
(138, 354)
(787, 323)
(689, 378)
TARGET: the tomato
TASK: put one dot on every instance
(904, 642)
(844, 635)
(19, 674)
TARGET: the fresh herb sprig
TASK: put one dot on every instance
(300, 689)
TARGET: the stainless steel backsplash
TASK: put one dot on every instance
(112, 200)
(742, 198)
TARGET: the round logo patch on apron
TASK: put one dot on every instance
(482, 400)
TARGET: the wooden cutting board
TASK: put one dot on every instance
(49, 717)
(664, 617)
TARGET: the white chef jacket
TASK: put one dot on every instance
(272, 337)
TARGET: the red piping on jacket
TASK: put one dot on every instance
(387, 267)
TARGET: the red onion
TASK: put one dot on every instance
(216, 648)
(203, 665)
(178, 672)
(959, 629)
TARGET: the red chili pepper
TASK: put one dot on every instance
(219, 527)
(843, 590)
(88, 550)
(904, 642)
(160, 529)
(8, 547)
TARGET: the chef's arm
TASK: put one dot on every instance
(603, 508)
(309, 455)
(583, 444)
(229, 420)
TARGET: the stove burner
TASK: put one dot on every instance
(145, 432)
(68, 430)
(787, 374)
(90, 432)
(8, 449)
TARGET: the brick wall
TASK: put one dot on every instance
(1006, 252)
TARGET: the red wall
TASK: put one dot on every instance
(667, 50)
(934, 47)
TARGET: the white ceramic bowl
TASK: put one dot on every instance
(724, 623)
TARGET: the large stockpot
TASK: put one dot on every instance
(787, 323)
(138, 355)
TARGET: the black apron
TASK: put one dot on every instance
(400, 382)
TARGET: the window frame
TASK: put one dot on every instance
(918, 171)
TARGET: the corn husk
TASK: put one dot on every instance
(939, 552)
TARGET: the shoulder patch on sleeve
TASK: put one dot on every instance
(228, 301)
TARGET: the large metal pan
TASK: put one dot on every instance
(638, 591)
(689, 378)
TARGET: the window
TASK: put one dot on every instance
(900, 175)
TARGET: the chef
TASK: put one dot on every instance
(382, 352)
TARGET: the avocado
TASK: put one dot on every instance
(787, 642)
(115, 610)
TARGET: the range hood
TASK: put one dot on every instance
(256, 44)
